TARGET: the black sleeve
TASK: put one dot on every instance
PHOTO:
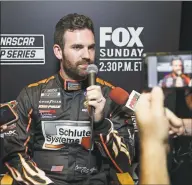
(114, 137)
(16, 145)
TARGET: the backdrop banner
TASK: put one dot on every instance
(123, 30)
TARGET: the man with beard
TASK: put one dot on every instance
(51, 141)
(176, 78)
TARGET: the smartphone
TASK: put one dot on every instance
(7, 115)
(168, 70)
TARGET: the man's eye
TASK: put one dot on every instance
(92, 47)
(77, 47)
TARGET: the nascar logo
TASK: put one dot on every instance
(22, 49)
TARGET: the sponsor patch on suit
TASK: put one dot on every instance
(60, 132)
(51, 93)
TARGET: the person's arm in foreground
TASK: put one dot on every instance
(153, 132)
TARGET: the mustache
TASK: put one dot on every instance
(84, 62)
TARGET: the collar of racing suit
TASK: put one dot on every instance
(182, 75)
(72, 85)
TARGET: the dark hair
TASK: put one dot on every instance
(71, 22)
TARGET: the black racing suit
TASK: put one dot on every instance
(53, 134)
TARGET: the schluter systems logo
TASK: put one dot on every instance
(120, 49)
(22, 49)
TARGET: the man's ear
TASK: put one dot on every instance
(57, 51)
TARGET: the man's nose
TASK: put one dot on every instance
(86, 54)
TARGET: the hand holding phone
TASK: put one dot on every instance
(168, 70)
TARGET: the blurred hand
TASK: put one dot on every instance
(95, 98)
(175, 124)
(3, 128)
(150, 114)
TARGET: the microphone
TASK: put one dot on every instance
(92, 71)
(121, 97)
(179, 73)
